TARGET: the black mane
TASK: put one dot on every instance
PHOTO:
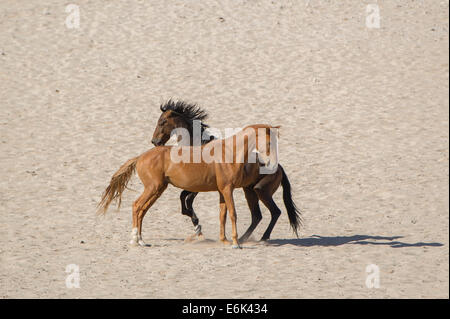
(190, 112)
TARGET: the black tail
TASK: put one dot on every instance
(295, 218)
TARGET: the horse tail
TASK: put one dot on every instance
(117, 185)
(295, 218)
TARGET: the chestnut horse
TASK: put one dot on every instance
(222, 166)
(180, 114)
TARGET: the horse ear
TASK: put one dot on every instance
(162, 108)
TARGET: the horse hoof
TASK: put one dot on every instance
(143, 244)
(236, 247)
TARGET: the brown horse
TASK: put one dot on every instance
(179, 114)
(221, 165)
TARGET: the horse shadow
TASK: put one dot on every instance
(316, 240)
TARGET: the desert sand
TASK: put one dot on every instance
(364, 141)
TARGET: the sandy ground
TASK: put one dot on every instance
(364, 142)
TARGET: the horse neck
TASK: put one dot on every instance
(190, 127)
(185, 124)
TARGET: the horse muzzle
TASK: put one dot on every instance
(157, 142)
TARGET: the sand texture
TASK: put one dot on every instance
(364, 141)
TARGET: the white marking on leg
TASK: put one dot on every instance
(134, 236)
(140, 241)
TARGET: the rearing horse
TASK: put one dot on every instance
(223, 166)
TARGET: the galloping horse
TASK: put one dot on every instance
(223, 166)
(180, 114)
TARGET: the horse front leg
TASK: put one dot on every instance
(229, 201)
(187, 200)
(223, 220)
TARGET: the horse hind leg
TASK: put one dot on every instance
(274, 211)
(253, 205)
(265, 189)
(137, 206)
(140, 208)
